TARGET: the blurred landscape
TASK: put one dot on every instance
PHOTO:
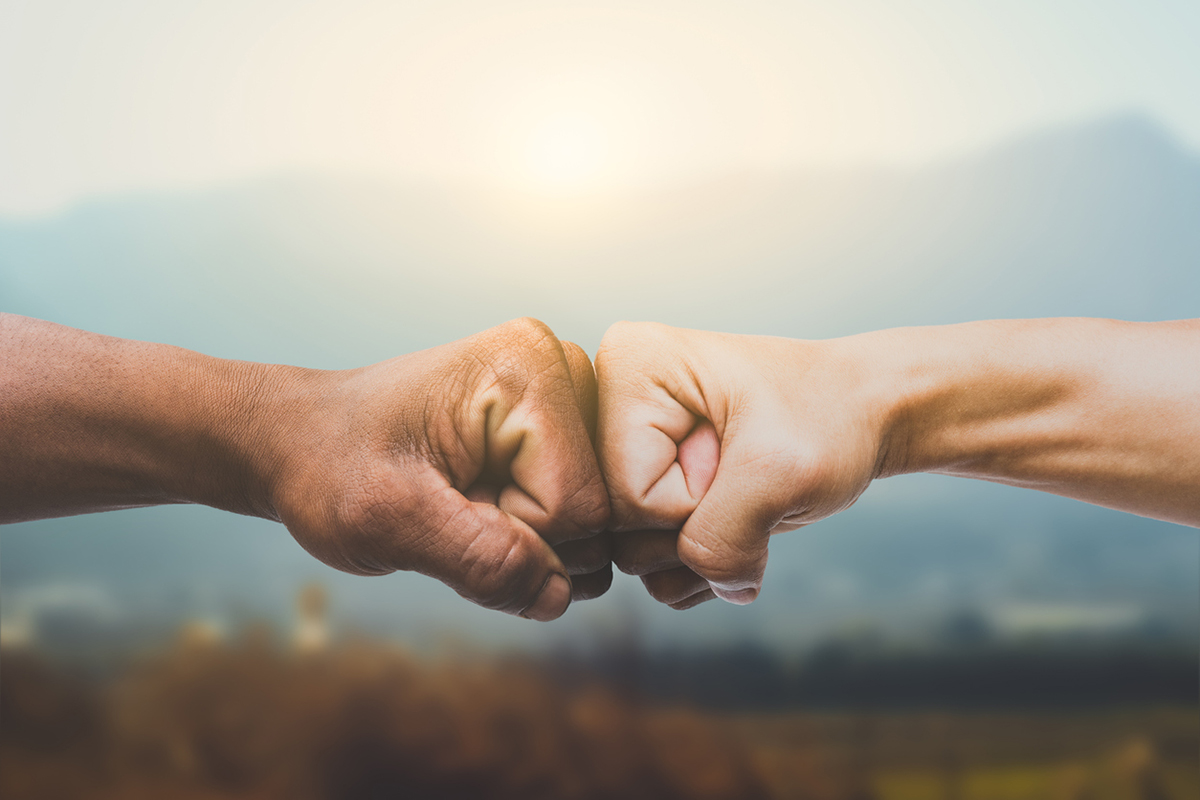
(1096, 220)
(303, 714)
(942, 639)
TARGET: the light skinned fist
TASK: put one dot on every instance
(710, 442)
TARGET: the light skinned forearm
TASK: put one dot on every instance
(91, 423)
(1103, 411)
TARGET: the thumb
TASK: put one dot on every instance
(493, 559)
(725, 539)
(698, 456)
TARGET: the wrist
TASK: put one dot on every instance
(247, 418)
(898, 379)
(863, 385)
(902, 379)
(968, 399)
(919, 385)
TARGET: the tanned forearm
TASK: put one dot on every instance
(91, 422)
(469, 462)
(1099, 410)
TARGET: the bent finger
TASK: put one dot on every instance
(556, 484)
(583, 556)
(691, 602)
(592, 585)
(644, 552)
(674, 585)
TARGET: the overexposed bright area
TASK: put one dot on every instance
(554, 98)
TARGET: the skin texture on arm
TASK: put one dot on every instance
(711, 442)
(471, 462)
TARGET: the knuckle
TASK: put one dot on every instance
(591, 511)
(623, 332)
(574, 499)
(615, 334)
(573, 514)
(530, 329)
(530, 336)
(510, 370)
(623, 514)
(526, 354)
(616, 342)
(577, 354)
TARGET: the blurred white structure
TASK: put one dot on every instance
(312, 629)
(24, 607)
(17, 630)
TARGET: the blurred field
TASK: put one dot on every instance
(1126, 755)
(251, 718)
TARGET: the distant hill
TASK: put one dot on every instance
(1098, 220)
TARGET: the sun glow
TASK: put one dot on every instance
(580, 131)
(567, 152)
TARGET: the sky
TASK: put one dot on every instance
(556, 97)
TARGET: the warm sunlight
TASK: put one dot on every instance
(550, 98)
(566, 152)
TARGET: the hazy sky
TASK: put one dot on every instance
(100, 97)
